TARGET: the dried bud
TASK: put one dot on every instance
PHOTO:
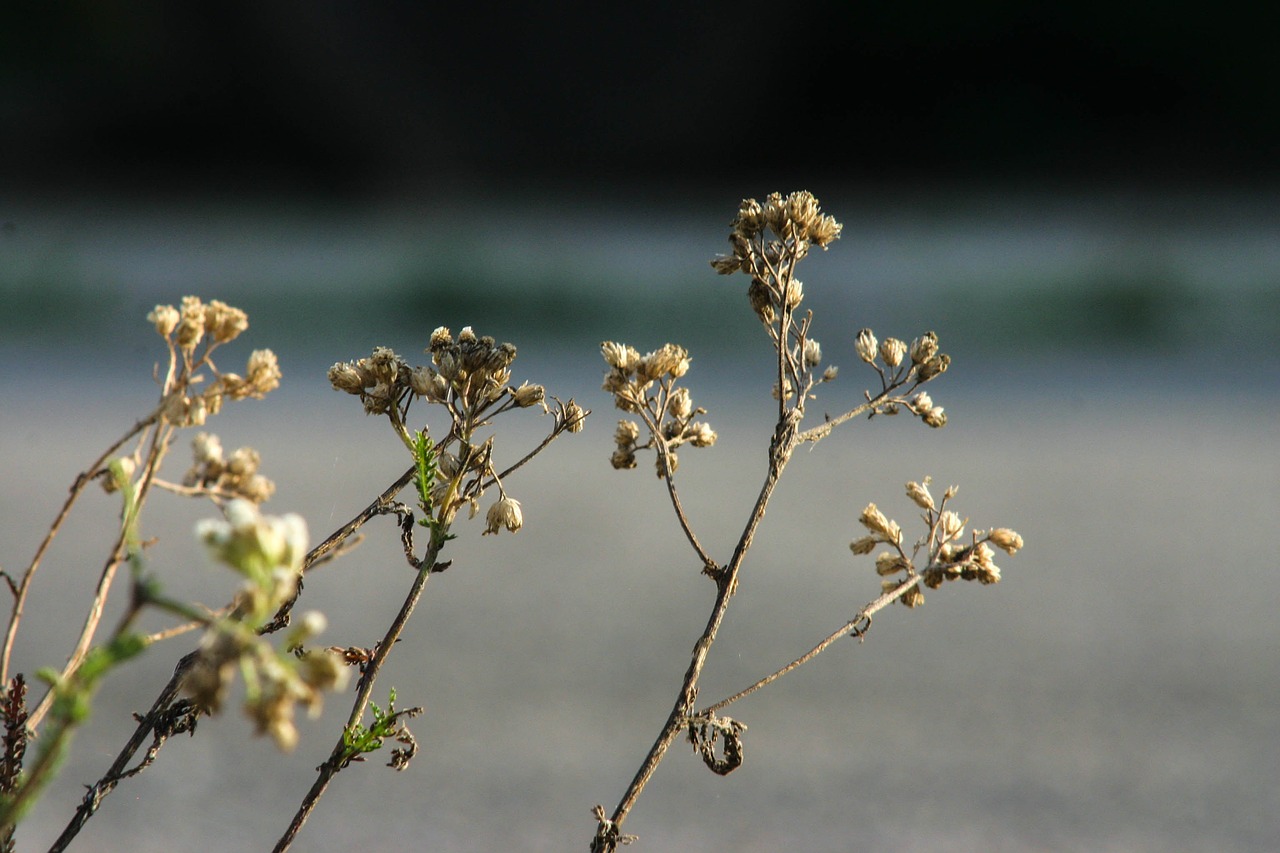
(223, 322)
(919, 492)
(824, 230)
(951, 525)
(726, 264)
(264, 374)
(761, 298)
(1006, 540)
(864, 545)
(935, 418)
(892, 350)
(344, 376)
(420, 381)
(889, 563)
(830, 373)
(935, 366)
(913, 597)
(620, 356)
(191, 323)
(575, 416)
(529, 395)
(921, 403)
(750, 219)
(505, 513)
(866, 346)
(874, 520)
(795, 293)
(701, 434)
(812, 352)
(680, 405)
(440, 339)
(626, 433)
(165, 319)
(924, 348)
(623, 458)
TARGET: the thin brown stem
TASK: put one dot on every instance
(160, 440)
(339, 757)
(165, 702)
(23, 587)
(780, 449)
(851, 627)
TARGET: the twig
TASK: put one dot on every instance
(22, 587)
(339, 757)
(854, 626)
(164, 703)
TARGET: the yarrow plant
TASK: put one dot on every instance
(768, 242)
(445, 414)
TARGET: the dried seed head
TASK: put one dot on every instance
(680, 405)
(750, 220)
(889, 563)
(1006, 540)
(866, 346)
(622, 459)
(727, 264)
(701, 434)
(505, 513)
(812, 352)
(620, 356)
(223, 322)
(529, 395)
(864, 545)
(575, 416)
(830, 373)
(191, 323)
(921, 403)
(825, 230)
(935, 366)
(440, 338)
(875, 521)
(924, 348)
(795, 293)
(913, 597)
(760, 295)
(919, 493)
(344, 376)
(626, 433)
(892, 350)
(951, 525)
(165, 319)
(935, 418)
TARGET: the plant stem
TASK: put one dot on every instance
(339, 758)
(784, 441)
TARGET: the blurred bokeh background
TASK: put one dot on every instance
(1080, 200)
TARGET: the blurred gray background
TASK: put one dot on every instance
(1080, 201)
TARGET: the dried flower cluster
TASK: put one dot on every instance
(213, 323)
(947, 557)
(889, 358)
(646, 386)
(225, 477)
(268, 552)
(470, 378)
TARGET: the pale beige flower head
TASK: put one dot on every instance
(165, 319)
(866, 346)
(223, 322)
(504, 513)
(924, 348)
(919, 494)
(892, 351)
(620, 356)
(190, 323)
(1006, 540)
